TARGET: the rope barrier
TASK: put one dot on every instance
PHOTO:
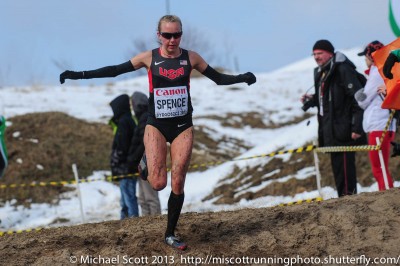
(204, 165)
(10, 232)
(272, 154)
(113, 178)
(348, 148)
(392, 112)
(360, 147)
(318, 199)
(64, 183)
(38, 184)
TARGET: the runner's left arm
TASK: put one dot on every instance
(224, 79)
(200, 65)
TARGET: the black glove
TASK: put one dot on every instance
(70, 75)
(248, 77)
(396, 149)
(387, 67)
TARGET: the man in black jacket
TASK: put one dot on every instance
(339, 116)
(124, 127)
(148, 197)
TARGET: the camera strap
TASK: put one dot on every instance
(321, 93)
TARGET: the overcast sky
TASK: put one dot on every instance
(252, 35)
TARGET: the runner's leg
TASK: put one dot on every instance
(181, 150)
(156, 154)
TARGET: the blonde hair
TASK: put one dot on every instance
(169, 18)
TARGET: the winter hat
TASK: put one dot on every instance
(139, 98)
(324, 45)
(139, 101)
(371, 47)
(120, 105)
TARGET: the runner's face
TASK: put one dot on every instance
(321, 57)
(170, 45)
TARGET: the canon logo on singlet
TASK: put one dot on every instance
(166, 92)
(171, 73)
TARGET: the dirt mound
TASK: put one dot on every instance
(43, 146)
(361, 225)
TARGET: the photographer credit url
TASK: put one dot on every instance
(230, 260)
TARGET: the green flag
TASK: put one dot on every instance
(3, 149)
(394, 16)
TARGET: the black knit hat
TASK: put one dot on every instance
(371, 47)
(324, 45)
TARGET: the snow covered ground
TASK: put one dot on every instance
(276, 94)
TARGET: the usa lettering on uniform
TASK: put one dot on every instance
(171, 73)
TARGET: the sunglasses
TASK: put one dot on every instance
(169, 35)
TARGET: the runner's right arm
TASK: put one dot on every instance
(104, 72)
(139, 61)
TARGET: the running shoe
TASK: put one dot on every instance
(142, 168)
(174, 242)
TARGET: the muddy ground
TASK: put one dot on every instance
(331, 231)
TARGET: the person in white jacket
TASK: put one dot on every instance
(376, 118)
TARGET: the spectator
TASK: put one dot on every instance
(148, 197)
(375, 118)
(123, 127)
(339, 116)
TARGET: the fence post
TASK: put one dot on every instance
(317, 173)
(75, 171)
(385, 179)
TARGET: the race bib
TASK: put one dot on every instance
(171, 102)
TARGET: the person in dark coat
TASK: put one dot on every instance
(148, 197)
(124, 127)
(339, 116)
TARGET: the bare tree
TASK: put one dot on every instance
(193, 40)
(61, 64)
